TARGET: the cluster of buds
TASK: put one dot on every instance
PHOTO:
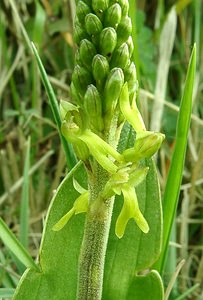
(103, 92)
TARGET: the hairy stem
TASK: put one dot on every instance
(92, 256)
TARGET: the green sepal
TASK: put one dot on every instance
(93, 24)
(80, 206)
(113, 16)
(82, 10)
(112, 90)
(100, 68)
(93, 108)
(120, 57)
(81, 78)
(87, 51)
(108, 41)
(124, 30)
(130, 210)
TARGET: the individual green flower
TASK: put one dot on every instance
(80, 206)
(124, 181)
(130, 210)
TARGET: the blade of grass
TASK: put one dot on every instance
(70, 156)
(24, 209)
(172, 189)
(19, 182)
(6, 293)
(188, 292)
(173, 279)
(37, 36)
(166, 44)
(15, 246)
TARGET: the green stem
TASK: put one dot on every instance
(92, 256)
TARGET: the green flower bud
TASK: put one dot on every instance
(79, 34)
(108, 41)
(113, 16)
(99, 6)
(93, 25)
(81, 79)
(82, 10)
(146, 145)
(124, 30)
(130, 45)
(112, 89)
(124, 6)
(148, 142)
(120, 57)
(93, 108)
(87, 52)
(100, 68)
(131, 77)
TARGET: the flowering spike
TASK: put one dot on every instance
(103, 93)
